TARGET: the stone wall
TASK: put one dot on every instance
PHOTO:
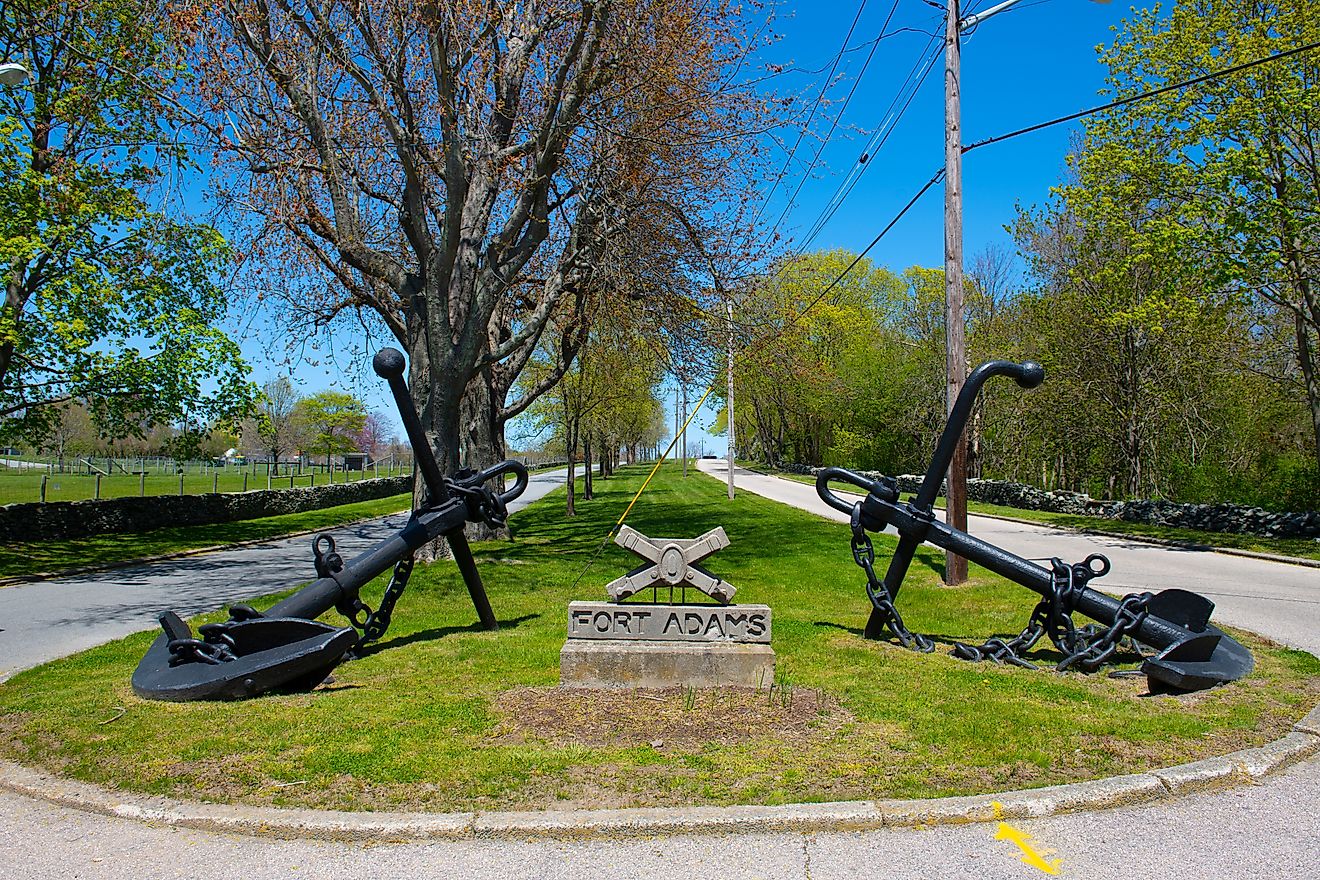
(57, 520)
(1203, 517)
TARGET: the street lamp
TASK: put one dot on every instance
(955, 347)
(13, 74)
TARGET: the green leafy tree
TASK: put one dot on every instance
(106, 301)
(1224, 174)
(332, 420)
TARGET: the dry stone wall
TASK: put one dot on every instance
(1233, 518)
(59, 520)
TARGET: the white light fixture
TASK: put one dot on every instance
(12, 74)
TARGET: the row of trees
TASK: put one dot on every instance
(546, 206)
(474, 182)
(1140, 399)
(1170, 293)
(284, 424)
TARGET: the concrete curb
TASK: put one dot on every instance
(1241, 767)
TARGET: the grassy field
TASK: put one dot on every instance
(27, 559)
(444, 716)
(19, 486)
(1301, 548)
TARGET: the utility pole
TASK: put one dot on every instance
(955, 499)
(728, 356)
(677, 410)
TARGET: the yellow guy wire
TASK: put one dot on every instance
(592, 561)
(696, 409)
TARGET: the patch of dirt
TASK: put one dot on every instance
(668, 718)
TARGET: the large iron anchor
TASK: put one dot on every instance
(285, 648)
(1191, 654)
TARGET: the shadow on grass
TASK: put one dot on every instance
(439, 632)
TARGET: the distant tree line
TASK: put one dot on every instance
(285, 425)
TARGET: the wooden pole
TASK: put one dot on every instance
(685, 415)
(955, 567)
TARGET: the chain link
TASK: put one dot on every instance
(483, 503)
(374, 623)
(1086, 648)
(864, 555)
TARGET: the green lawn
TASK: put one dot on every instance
(1302, 548)
(19, 486)
(39, 557)
(444, 716)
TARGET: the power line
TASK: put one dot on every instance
(875, 44)
(812, 115)
(877, 142)
(1122, 102)
(1037, 127)
(935, 178)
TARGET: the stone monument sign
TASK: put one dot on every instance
(663, 643)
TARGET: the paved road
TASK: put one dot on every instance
(49, 619)
(1267, 831)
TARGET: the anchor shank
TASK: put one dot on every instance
(325, 593)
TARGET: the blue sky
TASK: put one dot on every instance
(1023, 66)
(1029, 64)
(1034, 62)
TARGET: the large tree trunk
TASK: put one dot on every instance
(586, 468)
(571, 448)
(439, 411)
(483, 433)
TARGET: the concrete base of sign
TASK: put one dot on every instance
(620, 664)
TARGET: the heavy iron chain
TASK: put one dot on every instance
(214, 647)
(864, 555)
(374, 623)
(483, 503)
(1086, 648)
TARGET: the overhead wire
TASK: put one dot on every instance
(879, 138)
(1121, 102)
(829, 78)
(875, 44)
(1142, 96)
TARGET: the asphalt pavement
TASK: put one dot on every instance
(1266, 831)
(47, 619)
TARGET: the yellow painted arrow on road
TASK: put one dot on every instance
(1022, 840)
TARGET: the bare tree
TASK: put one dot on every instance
(274, 426)
(453, 170)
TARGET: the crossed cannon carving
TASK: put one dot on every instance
(671, 562)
